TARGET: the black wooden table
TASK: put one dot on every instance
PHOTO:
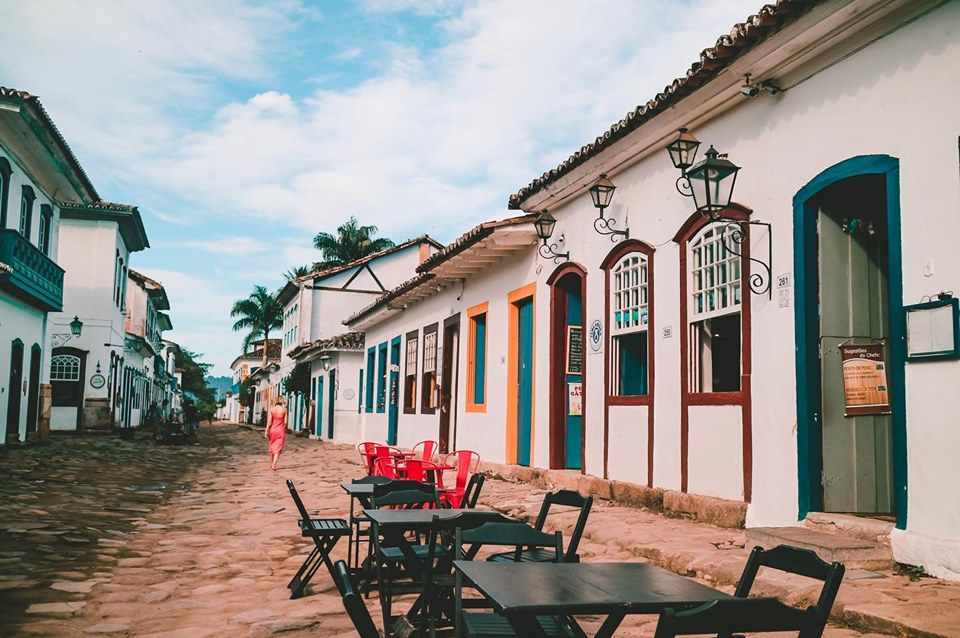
(521, 591)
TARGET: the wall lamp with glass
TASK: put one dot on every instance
(544, 224)
(601, 191)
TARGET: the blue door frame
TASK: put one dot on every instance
(332, 378)
(805, 241)
(319, 426)
(393, 391)
(524, 380)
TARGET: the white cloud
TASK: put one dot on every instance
(350, 53)
(235, 245)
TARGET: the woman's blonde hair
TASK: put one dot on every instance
(278, 401)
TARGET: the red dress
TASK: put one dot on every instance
(277, 432)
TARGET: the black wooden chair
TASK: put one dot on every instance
(353, 603)
(737, 615)
(359, 523)
(325, 532)
(562, 498)
(472, 492)
(803, 562)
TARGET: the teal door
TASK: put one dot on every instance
(524, 380)
(330, 403)
(318, 428)
(574, 430)
(394, 409)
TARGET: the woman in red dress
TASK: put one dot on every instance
(276, 431)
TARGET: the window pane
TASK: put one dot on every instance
(631, 371)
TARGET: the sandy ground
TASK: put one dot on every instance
(103, 536)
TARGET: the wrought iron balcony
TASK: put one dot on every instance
(30, 274)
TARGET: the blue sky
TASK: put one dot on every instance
(242, 128)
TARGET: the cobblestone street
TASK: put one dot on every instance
(104, 536)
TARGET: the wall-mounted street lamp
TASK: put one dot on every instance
(325, 361)
(544, 224)
(76, 326)
(710, 183)
(601, 191)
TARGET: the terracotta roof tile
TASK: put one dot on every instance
(744, 36)
(345, 341)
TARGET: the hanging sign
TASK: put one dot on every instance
(574, 349)
(864, 380)
(575, 399)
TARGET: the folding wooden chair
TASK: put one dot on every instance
(353, 603)
(564, 498)
(472, 493)
(325, 533)
(737, 615)
(803, 562)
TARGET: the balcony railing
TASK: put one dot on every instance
(32, 276)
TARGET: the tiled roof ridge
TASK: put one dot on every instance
(367, 258)
(470, 237)
(713, 60)
(58, 136)
(141, 278)
(102, 205)
(352, 340)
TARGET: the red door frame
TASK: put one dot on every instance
(558, 358)
(743, 398)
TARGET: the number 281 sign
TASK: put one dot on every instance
(596, 335)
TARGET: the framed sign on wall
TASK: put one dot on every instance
(932, 330)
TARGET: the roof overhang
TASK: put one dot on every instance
(805, 45)
(476, 251)
(127, 217)
(42, 151)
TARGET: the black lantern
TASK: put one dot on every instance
(544, 224)
(325, 361)
(602, 192)
(683, 150)
(712, 182)
(76, 326)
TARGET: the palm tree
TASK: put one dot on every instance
(351, 243)
(299, 271)
(260, 313)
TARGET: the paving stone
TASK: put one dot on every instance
(254, 616)
(107, 628)
(156, 596)
(56, 608)
(82, 587)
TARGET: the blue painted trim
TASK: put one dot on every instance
(480, 359)
(371, 370)
(382, 378)
(332, 379)
(806, 314)
(393, 392)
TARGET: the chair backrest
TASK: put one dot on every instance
(735, 615)
(472, 493)
(304, 515)
(467, 462)
(353, 603)
(425, 450)
(366, 450)
(423, 471)
(403, 493)
(567, 498)
(803, 562)
(385, 466)
(513, 534)
(372, 479)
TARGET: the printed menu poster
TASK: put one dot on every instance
(864, 380)
(575, 399)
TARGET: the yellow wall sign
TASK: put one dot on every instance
(864, 380)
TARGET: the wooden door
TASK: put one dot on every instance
(448, 384)
(524, 365)
(14, 390)
(332, 379)
(393, 415)
(33, 394)
(854, 308)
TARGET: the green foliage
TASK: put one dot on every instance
(351, 242)
(247, 390)
(299, 271)
(259, 313)
(193, 379)
(298, 381)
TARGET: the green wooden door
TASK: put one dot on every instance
(854, 308)
(524, 381)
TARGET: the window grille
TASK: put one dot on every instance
(65, 367)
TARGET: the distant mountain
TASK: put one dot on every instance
(219, 385)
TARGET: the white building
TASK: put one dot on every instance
(38, 172)
(144, 369)
(313, 333)
(95, 244)
(680, 359)
(242, 367)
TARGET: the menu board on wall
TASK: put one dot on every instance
(864, 380)
(574, 349)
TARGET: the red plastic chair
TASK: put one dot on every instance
(367, 450)
(466, 463)
(423, 471)
(424, 450)
(386, 466)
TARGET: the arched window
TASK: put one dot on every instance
(5, 173)
(26, 211)
(65, 367)
(714, 297)
(630, 301)
(43, 238)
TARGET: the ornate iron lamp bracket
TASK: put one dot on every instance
(549, 251)
(604, 226)
(732, 237)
